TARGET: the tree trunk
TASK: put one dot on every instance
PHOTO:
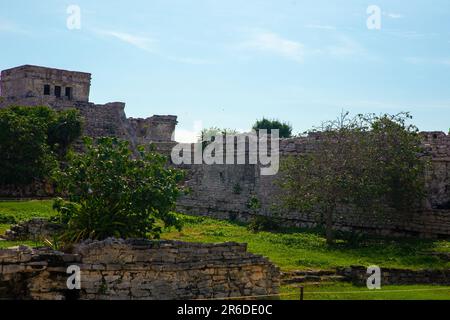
(329, 227)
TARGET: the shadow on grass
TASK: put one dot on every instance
(310, 248)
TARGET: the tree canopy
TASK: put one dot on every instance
(31, 141)
(285, 129)
(367, 163)
(110, 193)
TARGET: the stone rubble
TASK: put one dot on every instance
(138, 269)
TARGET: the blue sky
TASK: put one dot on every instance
(227, 63)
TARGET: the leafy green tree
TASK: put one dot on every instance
(65, 129)
(30, 138)
(110, 193)
(207, 134)
(285, 129)
(367, 164)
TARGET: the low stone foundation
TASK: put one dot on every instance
(358, 275)
(34, 229)
(138, 269)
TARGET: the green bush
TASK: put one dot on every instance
(110, 193)
(285, 128)
(263, 223)
(31, 139)
(7, 219)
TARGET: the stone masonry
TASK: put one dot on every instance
(222, 191)
(390, 276)
(36, 229)
(225, 191)
(136, 270)
(61, 89)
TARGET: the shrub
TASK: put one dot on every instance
(237, 189)
(263, 223)
(7, 219)
(366, 163)
(285, 129)
(112, 194)
(30, 140)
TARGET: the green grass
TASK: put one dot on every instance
(290, 249)
(306, 249)
(22, 211)
(347, 291)
(25, 210)
(294, 249)
(9, 244)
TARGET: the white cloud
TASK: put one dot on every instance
(409, 34)
(320, 27)
(140, 42)
(419, 60)
(6, 26)
(189, 60)
(345, 47)
(186, 136)
(394, 15)
(272, 43)
(414, 60)
(189, 135)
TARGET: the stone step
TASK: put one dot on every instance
(308, 273)
(312, 279)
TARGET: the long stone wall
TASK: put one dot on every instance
(138, 269)
(390, 276)
(225, 191)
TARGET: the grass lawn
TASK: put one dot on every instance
(21, 211)
(25, 210)
(347, 291)
(291, 249)
(306, 249)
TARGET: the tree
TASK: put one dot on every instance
(110, 193)
(207, 134)
(65, 128)
(285, 129)
(28, 142)
(367, 163)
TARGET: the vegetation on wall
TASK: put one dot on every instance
(32, 139)
(367, 163)
(110, 193)
(285, 129)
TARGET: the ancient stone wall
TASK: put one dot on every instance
(138, 269)
(30, 81)
(389, 276)
(36, 229)
(225, 191)
(25, 86)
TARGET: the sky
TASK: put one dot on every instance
(228, 63)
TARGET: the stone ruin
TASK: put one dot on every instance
(36, 229)
(221, 191)
(225, 192)
(61, 89)
(137, 270)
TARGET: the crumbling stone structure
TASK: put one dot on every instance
(35, 229)
(61, 89)
(137, 270)
(225, 192)
(391, 276)
(222, 191)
